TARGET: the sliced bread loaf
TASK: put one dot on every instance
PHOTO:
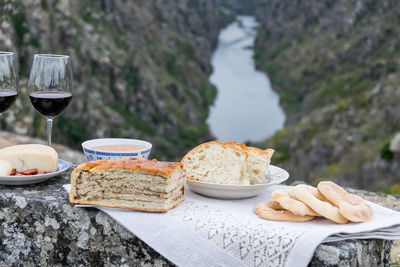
(215, 162)
(227, 163)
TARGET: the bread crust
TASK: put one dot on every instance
(192, 178)
(239, 147)
(267, 153)
(236, 147)
(154, 167)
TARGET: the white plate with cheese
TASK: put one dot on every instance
(34, 179)
(275, 176)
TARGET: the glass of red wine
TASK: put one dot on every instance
(50, 86)
(8, 81)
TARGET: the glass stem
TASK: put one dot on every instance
(49, 128)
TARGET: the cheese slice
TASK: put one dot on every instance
(5, 168)
(31, 156)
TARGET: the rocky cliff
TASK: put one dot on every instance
(140, 68)
(141, 71)
(335, 65)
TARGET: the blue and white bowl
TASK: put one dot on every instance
(92, 154)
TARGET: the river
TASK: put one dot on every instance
(246, 107)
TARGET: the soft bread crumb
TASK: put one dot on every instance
(227, 163)
(258, 163)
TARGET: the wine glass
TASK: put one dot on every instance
(8, 81)
(50, 86)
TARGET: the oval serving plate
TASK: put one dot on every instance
(34, 179)
(275, 176)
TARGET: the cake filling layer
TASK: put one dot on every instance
(141, 205)
(123, 178)
(97, 194)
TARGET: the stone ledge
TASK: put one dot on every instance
(373, 252)
(38, 226)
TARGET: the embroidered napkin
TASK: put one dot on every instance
(203, 231)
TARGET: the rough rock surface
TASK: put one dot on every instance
(38, 226)
(353, 253)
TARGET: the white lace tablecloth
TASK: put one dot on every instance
(209, 232)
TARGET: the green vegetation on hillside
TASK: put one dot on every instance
(335, 68)
(140, 68)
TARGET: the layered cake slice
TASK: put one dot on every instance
(139, 184)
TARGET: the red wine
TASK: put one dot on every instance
(7, 98)
(50, 103)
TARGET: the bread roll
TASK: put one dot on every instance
(31, 156)
(351, 206)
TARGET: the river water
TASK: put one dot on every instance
(246, 107)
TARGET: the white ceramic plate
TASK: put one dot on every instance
(34, 179)
(275, 176)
